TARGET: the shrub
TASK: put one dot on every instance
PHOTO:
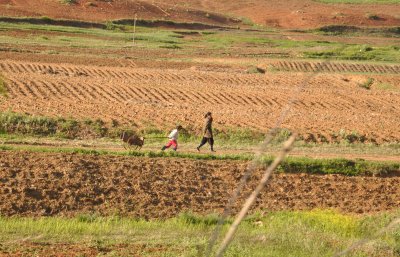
(70, 1)
(372, 16)
(172, 46)
(281, 135)
(255, 70)
(367, 84)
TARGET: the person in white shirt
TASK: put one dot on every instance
(173, 139)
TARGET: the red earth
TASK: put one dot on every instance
(288, 14)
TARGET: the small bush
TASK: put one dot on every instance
(371, 16)
(91, 4)
(110, 25)
(70, 1)
(46, 18)
(281, 135)
(255, 70)
(172, 46)
(367, 84)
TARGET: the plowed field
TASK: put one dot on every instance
(39, 184)
(329, 103)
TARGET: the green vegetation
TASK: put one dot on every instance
(59, 36)
(367, 84)
(283, 233)
(342, 30)
(357, 167)
(36, 125)
(358, 52)
(3, 89)
(16, 123)
(359, 1)
(69, 1)
(338, 166)
(386, 86)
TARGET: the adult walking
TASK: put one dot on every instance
(207, 132)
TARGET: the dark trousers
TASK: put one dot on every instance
(207, 140)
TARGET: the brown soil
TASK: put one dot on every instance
(111, 10)
(302, 14)
(41, 184)
(68, 250)
(330, 103)
(272, 13)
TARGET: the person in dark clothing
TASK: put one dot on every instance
(207, 133)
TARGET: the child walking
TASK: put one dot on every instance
(173, 139)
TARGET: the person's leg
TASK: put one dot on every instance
(203, 142)
(211, 142)
(168, 145)
(174, 144)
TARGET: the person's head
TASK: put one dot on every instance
(208, 114)
(179, 127)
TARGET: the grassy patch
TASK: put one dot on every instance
(15, 123)
(338, 166)
(115, 35)
(3, 89)
(284, 233)
(386, 86)
(289, 165)
(357, 31)
(358, 52)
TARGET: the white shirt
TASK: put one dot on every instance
(173, 135)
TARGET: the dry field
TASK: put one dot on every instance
(43, 184)
(329, 103)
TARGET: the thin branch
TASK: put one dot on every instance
(252, 198)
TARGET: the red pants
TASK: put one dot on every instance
(173, 143)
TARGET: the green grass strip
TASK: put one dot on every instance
(3, 89)
(289, 165)
(281, 233)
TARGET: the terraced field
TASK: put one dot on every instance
(299, 66)
(327, 104)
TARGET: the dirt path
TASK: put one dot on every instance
(315, 153)
(39, 184)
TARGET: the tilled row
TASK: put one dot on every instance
(335, 67)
